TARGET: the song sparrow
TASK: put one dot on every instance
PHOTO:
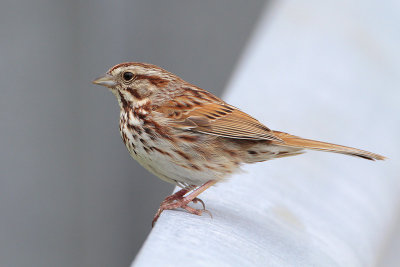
(191, 138)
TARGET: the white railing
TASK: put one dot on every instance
(317, 69)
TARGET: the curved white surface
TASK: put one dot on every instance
(327, 70)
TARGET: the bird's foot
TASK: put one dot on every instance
(179, 200)
(173, 202)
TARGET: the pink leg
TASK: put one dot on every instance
(178, 195)
(178, 200)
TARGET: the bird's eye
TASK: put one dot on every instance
(128, 76)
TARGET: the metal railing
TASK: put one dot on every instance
(304, 72)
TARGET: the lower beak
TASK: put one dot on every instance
(106, 80)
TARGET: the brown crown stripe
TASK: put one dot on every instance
(128, 64)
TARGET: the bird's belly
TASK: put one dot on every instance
(170, 163)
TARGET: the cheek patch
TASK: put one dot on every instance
(139, 93)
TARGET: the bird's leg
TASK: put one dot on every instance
(179, 200)
(178, 195)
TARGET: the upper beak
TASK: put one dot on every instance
(107, 80)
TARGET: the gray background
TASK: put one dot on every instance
(70, 195)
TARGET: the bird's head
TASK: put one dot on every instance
(136, 82)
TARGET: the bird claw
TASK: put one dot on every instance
(174, 202)
(198, 212)
(195, 200)
(179, 200)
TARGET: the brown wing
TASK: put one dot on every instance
(215, 117)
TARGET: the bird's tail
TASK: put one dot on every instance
(298, 142)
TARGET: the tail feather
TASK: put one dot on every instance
(298, 142)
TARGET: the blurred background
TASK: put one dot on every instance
(70, 195)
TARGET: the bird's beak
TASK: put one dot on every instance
(107, 80)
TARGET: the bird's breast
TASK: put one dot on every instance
(172, 155)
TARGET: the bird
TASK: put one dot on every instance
(189, 137)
